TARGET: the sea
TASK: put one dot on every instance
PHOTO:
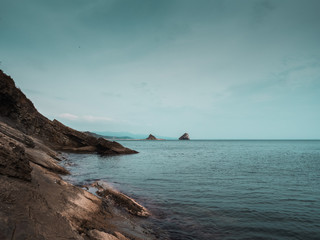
(217, 189)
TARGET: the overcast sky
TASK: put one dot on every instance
(215, 69)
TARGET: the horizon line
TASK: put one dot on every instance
(237, 139)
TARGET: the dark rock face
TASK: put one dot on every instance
(93, 134)
(13, 160)
(184, 137)
(151, 137)
(19, 112)
(35, 203)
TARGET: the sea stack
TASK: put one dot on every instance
(151, 137)
(184, 137)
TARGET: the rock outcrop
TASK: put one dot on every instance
(19, 112)
(35, 202)
(151, 137)
(184, 137)
(104, 190)
(14, 162)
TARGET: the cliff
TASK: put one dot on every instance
(35, 202)
(19, 112)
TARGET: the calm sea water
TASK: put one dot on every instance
(218, 189)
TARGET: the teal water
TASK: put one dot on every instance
(217, 189)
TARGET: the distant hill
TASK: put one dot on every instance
(106, 136)
(128, 135)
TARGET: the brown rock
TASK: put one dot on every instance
(104, 190)
(35, 203)
(49, 208)
(19, 112)
(14, 162)
(185, 136)
(13, 142)
(151, 137)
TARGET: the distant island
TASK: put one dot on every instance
(185, 136)
(151, 137)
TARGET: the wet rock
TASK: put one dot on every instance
(105, 147)
(104, 190)
(99, 235)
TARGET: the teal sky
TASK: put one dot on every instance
(215, 69)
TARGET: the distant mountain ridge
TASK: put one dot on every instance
(107, 137)
(128, 135)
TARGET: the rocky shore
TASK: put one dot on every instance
(35, 203)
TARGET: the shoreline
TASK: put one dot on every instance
(39, 203)
(35, 202)
(150, 219)
(104, 189)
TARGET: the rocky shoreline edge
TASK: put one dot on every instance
(35, 202)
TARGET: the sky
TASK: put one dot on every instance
(246, 69)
